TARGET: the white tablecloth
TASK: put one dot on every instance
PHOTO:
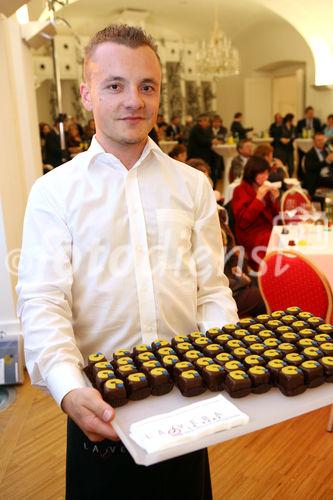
(262, 140)
(228, 151)
(318, 248)
(303, 144)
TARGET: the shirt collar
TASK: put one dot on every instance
(95, 149)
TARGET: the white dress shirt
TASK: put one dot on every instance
(114, 257)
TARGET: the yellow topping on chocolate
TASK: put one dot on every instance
(183, 364)
(240, 332)
(213, 347)
(121, 353)
(114, 383)
(253, 359)
(224, 337)
(327, 346)
(137, 377)
(290, 335)
(104, 365)
(232, 365)
(190, 374)
(286, 346)
(145, 356)
(214, 330)
(238, 375)
(327, 360)
(180, 338)
(305, 315)
(251, 338)
(271, 342)
(240, 351)
(312, 351)
(141, 348)
(197, 335)
(153, 363)
(224, 356)
(204, 361)
(193, 354)
(293, 356)
(276, 363)
(165, 351)
(185, 345)
(213, 368)
(325, 327)
(230, 326)
(126, 368)
(257, 370)
(234, 343)
(311, 363)
(322, 337)
(271, 353)
(170, 359)
(290, 370)
(158, 372)
(257, 345)
(125, 361)
(104, 374)
(201, 341)
(161, 343)
(97, 356)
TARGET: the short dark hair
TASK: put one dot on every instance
(123, 34)
(254, 166)
(263, 150)
(330, 116)
(241, 143)
(309, 108)
(199, 164)
(238, 115)
(177, 150)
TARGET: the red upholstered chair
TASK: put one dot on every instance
(294, 204)
(287, 279)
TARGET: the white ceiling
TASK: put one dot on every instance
(190, 18)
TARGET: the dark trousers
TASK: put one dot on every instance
(106, 470)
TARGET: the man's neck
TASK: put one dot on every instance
(128, 154)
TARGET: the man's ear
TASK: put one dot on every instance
(86, 96)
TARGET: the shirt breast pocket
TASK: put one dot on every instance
(174, 231)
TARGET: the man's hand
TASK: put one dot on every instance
(93, 415)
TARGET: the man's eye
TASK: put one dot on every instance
(148, 88)
(114, 86)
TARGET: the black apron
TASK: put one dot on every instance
(106, 470)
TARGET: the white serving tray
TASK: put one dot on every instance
(263, 409)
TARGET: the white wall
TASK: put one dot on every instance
(262, 46)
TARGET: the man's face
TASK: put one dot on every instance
(123, 91)
(309, 114)
(319, 141)
(246, 149)
(204, 122)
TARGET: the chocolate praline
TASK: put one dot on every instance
(312, 353)
(230, 366)
(294, 358)
(293, 310)
(245, 323)
(223, 358)
(272, 354)
(201, 362)
(253, 360)
(327, 363)
(240, 333)
(271, 343)
(263, 318)
(251, 339)
(290, 337)
(265, 334)
(114, 392)
(327, 348)
(229, 328)
(179, 339)
(288, 319)
(313, 373)
(277, 314)
(237, 384)
(212, 350)
(325, 328)
(137, 386)
(201, 343)
(191, 383)
(321, 338)
(257, 348)
(196, 335)
(315, 321)
(281, 330)
(159, 381)
(307, 333)
(147, 366)
(274, 366)
(165, 351)
(214, 376)
(256, 328)
(183, 347)
(169, 362)
(233, 344)
(102, 377)
(223, 338)
(125, 370)
(192, 355)
(143, 357)
(158, 343)
(297, 326)
(121, 353)
(260, 379)
(305, 315)
(303, 343)
(291, 381)
(138, 349)
(212, 333)
(102, 365)
(287, 347)
(240, 353)
(273, 324)
(180, 367)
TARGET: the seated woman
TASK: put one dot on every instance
(74, 140)
(244, 289)
(278, 171)
(200, 164)
(179, 152)
(254, 205)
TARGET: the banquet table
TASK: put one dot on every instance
(262, 140)
(316, 245)
(228, 152)
(167, 146)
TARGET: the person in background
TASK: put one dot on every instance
(237, 129)
(89, 130)
(275, 130)
(284, 149)
(278, 171)
(179, 152)
(254, 205)
(200, 144)
(245, 150)
(187, 128)
(161, 127)
(318, 165)
(309, 123)
(219, 132)
(200, 164)
(54, 156)
(90, 280)
(173, 131)
(244, 289)
(74, 140)
(328, 128)
(73, 120)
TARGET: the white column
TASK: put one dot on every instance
(20, 159)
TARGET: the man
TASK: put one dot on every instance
(218, 130)
(173, 131)
(318, 165)
(121, 245)
(309, 122)
(200, 145)
(237, 129)
(245, 149)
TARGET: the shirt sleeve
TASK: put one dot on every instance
(44, 296)
(215, 304)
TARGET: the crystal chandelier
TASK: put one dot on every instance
(217, 57)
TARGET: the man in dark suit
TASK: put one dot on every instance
(237, 129)
(318, 166)
(309, 122)
(245, 150)
(173, 131)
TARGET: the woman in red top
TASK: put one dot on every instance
(255, 205)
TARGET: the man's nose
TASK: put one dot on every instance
(134, 99)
